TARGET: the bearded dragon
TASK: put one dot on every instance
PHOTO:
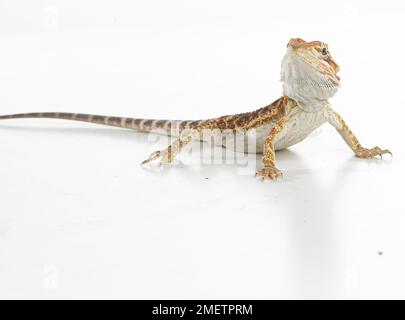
(309, 78)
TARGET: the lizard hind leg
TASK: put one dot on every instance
(167, 155)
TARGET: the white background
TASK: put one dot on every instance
(79, 218)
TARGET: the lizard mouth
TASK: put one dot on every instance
(305, 70)
(327, 69)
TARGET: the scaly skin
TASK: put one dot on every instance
(340, 125)
(309, 76)
(269, 169)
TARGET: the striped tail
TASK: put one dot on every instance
(144, 125)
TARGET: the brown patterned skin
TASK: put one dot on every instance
(305, 64)
(238, 121)
(243, 121)
(246, 120)
(144, 125)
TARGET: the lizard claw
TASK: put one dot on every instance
(158, 154)
(154, 155)
(271, 173)
(371, 153)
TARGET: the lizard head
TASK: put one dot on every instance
(308, 71)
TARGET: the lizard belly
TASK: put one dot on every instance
(250, 141)
(299, 125)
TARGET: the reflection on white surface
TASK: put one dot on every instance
(79, 218)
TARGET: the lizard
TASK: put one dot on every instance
(309, 79)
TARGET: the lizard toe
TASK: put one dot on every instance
(270, 173)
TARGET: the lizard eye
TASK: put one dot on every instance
(324, 51)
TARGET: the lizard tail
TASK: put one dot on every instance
(144, 125)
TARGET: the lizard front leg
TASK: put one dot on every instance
(269, 170)
(167, 155)
(340, 125)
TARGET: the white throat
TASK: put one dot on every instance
(304, 84)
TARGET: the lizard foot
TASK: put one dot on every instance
(371, 153)
(269, 173)
(163, 155)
